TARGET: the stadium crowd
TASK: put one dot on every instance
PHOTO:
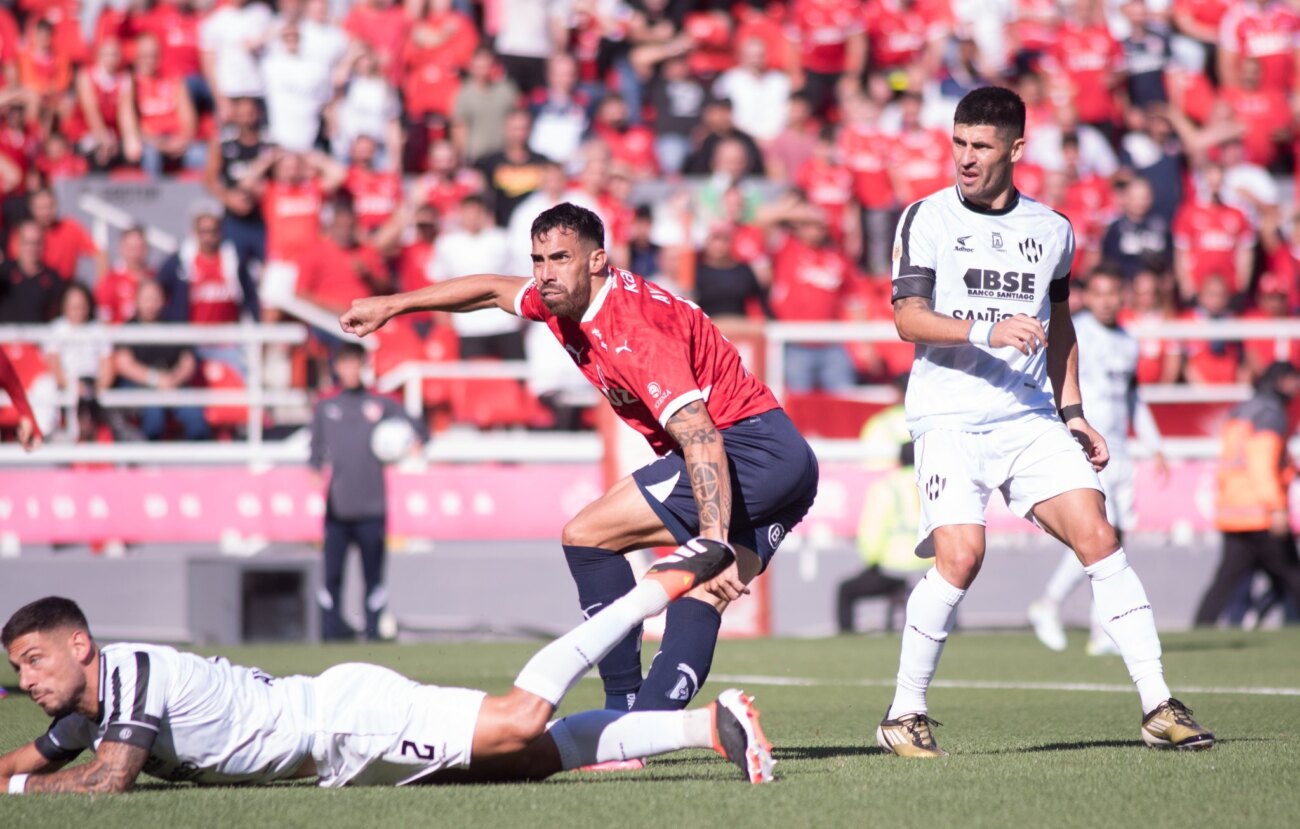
(754, 155)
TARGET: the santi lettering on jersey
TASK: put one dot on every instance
(989, 314)
(985, 282)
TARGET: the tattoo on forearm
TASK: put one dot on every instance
(113, 770)
(706, 465)
(924, 303)
(711, 498)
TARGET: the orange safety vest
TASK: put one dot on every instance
(1254, 470)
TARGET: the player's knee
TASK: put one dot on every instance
(960, 568)
(1096, 541)
(529, 715)
(576, 534)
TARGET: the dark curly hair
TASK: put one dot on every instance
(993, 106)
(581, 221)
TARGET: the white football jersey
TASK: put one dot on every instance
(202, 720)
(1108, 358)
(979, 264)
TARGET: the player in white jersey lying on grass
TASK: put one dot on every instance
(1108, 360)
(981, 278)
(177, 716)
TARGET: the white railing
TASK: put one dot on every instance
(410, 377)
(250, 337)
(105, 215)
(467, 445)
(778, 334)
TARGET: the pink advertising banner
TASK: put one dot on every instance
(488, 502)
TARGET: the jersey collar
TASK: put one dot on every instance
(989, 211)
(599, 300)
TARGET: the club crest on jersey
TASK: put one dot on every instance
(997, 240)
(962, 246)
(1031, 250)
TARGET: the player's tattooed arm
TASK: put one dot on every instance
(114, 769)
(706, 465)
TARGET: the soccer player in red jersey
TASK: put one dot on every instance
(29, 434)
(732, 467)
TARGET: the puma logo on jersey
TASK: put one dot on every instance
(574, 351)
(985, 282)
(621, 348)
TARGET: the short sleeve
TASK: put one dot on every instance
(66, 738)
(1059, 289)
(134, 699)
(915, 257)
(529, 305)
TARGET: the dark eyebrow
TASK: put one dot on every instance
(559, 254)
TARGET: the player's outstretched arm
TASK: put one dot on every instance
(465, 293)
(1063, 371)
(114, 769)
(25, 760)
(918, 322)
(706, 465)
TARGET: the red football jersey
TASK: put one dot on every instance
(865, 151)
(115, 296)
(1265, 114)
(651, 353)
(897, 35)
(292, 214)
(376, 195)
(810, 284)
(830, 187)
(1088, 55)
(922, 161)
(1270, 34)
(213, 299)
(822, 28)
(1211, 235)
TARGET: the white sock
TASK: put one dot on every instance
(931, 611)
(1095, 628)
(1127, 618)
(601, 736)
(1066, 577)
(557, 667)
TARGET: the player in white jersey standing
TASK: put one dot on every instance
(1108, 358)
(981, 278)
(177, 716)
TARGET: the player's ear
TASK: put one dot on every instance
(597, 262)
(1017, 149)
(82, 646)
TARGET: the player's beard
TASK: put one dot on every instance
(560, 301)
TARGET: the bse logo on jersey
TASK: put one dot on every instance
(986, 282)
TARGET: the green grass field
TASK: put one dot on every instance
(1026, 750)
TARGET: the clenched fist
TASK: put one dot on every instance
(365, 315)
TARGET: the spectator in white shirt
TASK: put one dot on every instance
(368, 107)
(297, 90)
(758, 96)
(478, 246)
(228, 39)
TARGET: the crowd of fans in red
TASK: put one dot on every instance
(755, 155)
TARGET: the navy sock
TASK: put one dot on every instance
(683, 662)
(603, 576)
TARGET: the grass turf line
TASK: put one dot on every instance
(1020, 757)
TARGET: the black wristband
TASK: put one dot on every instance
(1070, 412)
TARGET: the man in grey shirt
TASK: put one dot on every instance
(356, 502)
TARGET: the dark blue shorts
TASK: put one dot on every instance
(773, 484)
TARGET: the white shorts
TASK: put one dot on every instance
(1029, 462)
(375, 727)
(1117, 481)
